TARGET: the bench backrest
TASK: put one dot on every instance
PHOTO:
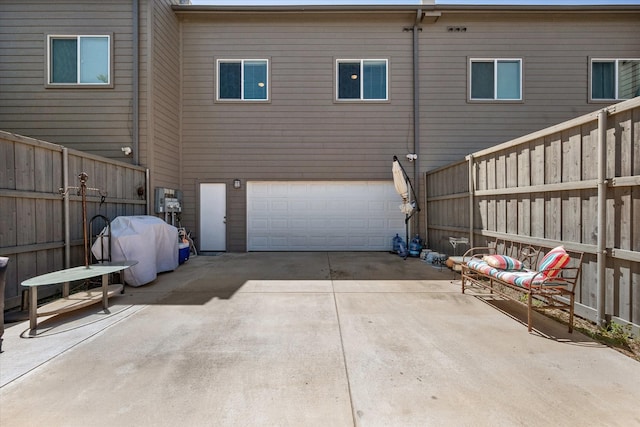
(531, 255)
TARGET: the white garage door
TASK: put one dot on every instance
(322, 216)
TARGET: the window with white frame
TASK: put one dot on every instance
(495, 79)
(79, 60)
(615, 79)
(362, 79)
(243, 79)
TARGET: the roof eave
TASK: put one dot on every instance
(188, 9)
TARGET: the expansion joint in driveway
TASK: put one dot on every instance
(344, 357)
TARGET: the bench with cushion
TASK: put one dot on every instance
(547, 277)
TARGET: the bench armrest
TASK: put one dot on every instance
(479, 252)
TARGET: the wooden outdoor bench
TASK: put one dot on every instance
(547, 277)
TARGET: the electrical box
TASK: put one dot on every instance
(168, 200)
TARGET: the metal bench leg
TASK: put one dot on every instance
(105, 296)
(33, 310)
(529, 309)
(572, 299)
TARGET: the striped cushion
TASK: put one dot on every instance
(524, 279)
(553, 261)
(503, 262)
(481, 266)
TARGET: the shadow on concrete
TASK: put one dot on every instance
(543, 325)
(202, 279)
(205, 278)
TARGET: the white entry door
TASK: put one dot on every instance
(213, 217)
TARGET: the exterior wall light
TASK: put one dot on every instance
(237, 184)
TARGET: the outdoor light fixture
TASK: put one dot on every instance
(354, 77)
(237, 183)
(260, 84)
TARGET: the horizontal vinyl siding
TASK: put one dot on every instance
(93, 120)
(301, 133)
(166, 96)
(555, 49)
(144, 131)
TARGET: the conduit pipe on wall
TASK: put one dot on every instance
(416, 107)
(136, 65)
(602, 216)
(147, 190)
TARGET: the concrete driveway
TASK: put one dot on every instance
(310, 339)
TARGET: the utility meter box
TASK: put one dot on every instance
(168, 200)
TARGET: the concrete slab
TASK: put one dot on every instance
(423, 359)
(310, 339)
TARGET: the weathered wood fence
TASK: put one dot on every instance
(576, 184)
(40, 228)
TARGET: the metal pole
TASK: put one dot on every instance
(83, 192)
(602, 216)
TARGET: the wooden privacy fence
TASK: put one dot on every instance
(576, 184)
(40, 228)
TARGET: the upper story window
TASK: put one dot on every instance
(243, 79)
(79, 60)
(362, 79)
(495, 79)
(613, 79)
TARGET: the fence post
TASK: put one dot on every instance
(66, 209)
(471, 201)
(602, 216)
(4, 261)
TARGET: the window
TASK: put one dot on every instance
(243, 79)
(615, 78)
(79, 60)
(496, 79)
(362, 80)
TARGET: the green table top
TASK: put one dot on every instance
(78, 273)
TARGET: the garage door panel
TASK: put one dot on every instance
(329, 215)
(299, 224)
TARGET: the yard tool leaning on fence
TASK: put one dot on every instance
(82, 192)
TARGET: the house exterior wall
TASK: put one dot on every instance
(555, 48)
(160, 94)
(303, 134)
(186, 137)
(97, 121)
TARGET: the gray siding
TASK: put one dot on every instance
(302, 134)
(160, 94)
(92, 120)
(555, 49)
(186, 137)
